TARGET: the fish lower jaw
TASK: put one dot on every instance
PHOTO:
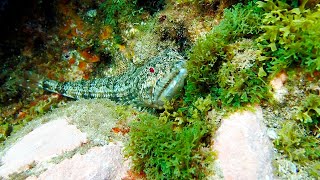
(175, 85)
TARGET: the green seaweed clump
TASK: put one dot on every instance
(240, 78)
(116, 11)
(309, 111)
(211, 6)
(300, 146)
(119, 12)
(215, 65)
(291, 36)
(173, 146)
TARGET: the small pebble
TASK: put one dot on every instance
(272, 134)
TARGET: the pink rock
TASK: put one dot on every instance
(98, 163)
(279, 90)
(43, 143)
(278, 81)
(244, 150)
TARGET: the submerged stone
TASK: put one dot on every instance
(243, 147)
(45, 142)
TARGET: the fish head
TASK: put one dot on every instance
(161, 78)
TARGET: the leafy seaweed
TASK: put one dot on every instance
(117, 12)
(240, 79)
(210, 68)
(174, 145)
(299, 146)
(163, 151)
(309, 111)
(291, 36)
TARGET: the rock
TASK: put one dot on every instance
(244, 150)
(45, 142)
(278, 86)
(80, 131)
(272, 134)
(98, 163)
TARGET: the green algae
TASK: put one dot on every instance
(211, 65)
(297, 144)
(174, 145)
(290, 37)
(309, 111)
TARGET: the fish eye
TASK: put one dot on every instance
(151, 69)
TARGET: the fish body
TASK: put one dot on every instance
(149, 85)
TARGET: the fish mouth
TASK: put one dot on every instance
(172, 87)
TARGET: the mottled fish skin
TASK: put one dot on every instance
(149, 85)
